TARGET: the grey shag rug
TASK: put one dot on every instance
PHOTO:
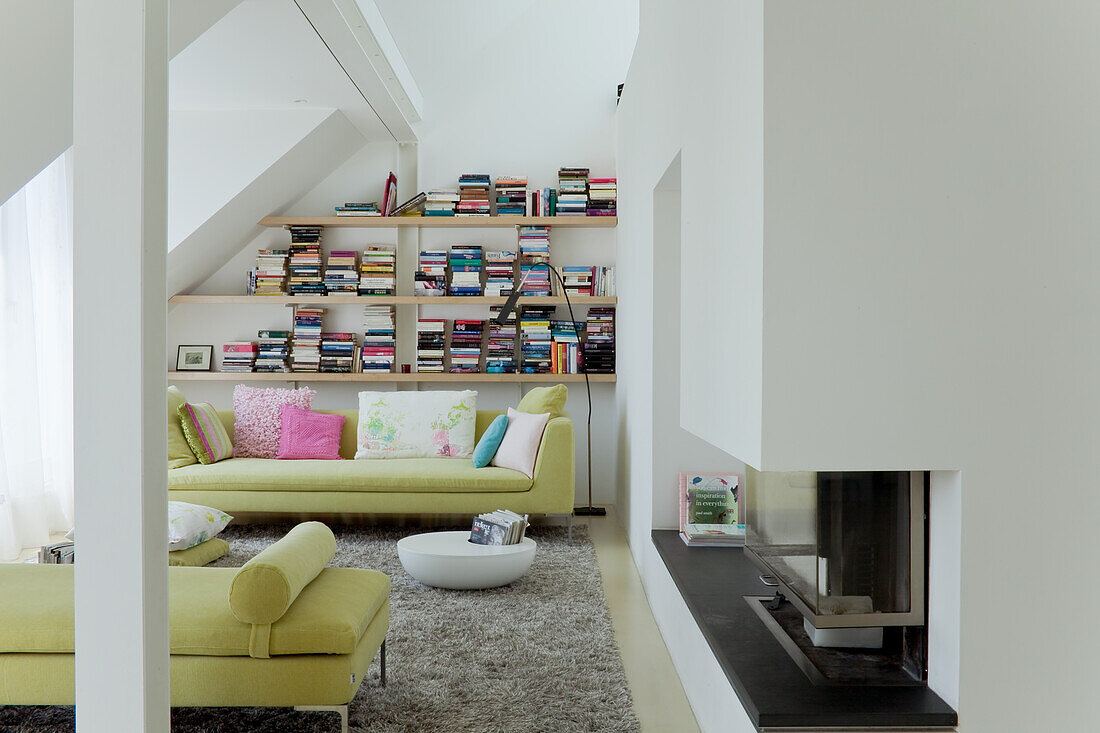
(538, 655)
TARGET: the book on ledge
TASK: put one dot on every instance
(501, 527)
(411, 207)
(710, 510)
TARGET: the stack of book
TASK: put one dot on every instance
(572, 192)
(566, 355)
(603, 280)
(500, 273)
(602, 194)
(337, 353)
(238, 356)
(542, 202)
(269, 277)
(535, 338)
(466, 346)
(534, 249)
(511, 196)
(473, 194)
(378, 271)
(340, 275)
(306, 342)
(378, 352)
(500, 354)
(431, 337)
(272, 351)
(440, 202)
(431, 273)
(599, 341)
(577, 279)
(465, 269)
(305, 262)
(352, 208)
(582, 280)
(502, 527)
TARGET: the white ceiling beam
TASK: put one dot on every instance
(358, 38)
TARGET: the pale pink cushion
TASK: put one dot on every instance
(521, 442)
(310, 434)
(258, 418)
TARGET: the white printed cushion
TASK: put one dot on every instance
(191, 524)
(520, 445)
(416, 424)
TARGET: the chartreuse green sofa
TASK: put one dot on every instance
(281, 631)
(383, 486)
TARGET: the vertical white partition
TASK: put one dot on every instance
(120, 198)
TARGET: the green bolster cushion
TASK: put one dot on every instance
(263, 589)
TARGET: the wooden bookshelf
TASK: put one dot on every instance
(442, 222)
(383, 377)
(580, 301)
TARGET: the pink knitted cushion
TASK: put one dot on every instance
(310, 434)
(258, 419)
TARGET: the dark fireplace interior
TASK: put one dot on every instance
(845, 550)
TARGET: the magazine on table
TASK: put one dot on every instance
(501, 527)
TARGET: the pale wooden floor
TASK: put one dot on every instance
(659, 698)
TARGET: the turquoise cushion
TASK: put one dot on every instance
(486, 448)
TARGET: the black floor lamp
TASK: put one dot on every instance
(509, 306)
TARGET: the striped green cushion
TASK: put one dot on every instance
(205, 433)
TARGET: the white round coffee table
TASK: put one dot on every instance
(450, 560)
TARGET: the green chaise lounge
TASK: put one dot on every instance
(377, 486)
(281, 631)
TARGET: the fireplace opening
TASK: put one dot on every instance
(847, 550)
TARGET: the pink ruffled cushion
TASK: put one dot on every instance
(309, 434)
(258, 418)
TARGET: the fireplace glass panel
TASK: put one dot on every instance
(841, 541)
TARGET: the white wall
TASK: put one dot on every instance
(926, 292)
(674, 156)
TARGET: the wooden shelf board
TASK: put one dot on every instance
(442, 222)
(580, 300)
(385, 377)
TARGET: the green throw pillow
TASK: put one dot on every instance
(201, 554)
(545, 399)
(179, 453)
(204, 431)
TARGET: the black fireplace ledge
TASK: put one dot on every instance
(773, 690)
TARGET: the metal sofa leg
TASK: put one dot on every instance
(382, 661)
(569, 522)
(342, 709)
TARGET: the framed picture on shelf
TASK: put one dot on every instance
(194, 358)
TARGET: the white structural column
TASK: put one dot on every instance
(120, 130)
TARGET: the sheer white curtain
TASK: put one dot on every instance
(36, 363)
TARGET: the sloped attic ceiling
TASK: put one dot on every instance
(261, 111)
